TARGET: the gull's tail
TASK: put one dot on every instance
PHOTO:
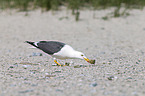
(32, 43)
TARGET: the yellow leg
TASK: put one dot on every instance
(58, 63)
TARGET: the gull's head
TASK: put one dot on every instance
(81, 55)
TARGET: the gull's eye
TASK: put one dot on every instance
(82, 55)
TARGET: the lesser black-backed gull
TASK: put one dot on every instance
(58, 50)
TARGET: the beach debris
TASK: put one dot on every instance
(92, 61)
(67, 64)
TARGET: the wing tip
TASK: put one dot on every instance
(31, 43)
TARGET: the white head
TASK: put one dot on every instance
(80, 55)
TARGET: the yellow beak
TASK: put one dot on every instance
(87, 59)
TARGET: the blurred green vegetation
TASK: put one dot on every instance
(74, 5)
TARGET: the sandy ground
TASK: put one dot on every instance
(117, 45)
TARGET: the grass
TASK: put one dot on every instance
(74, 5)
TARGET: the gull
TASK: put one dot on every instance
(58, 50)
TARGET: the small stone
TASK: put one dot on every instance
(27, 63)
(102, 52)
(34, 84)
(110, 77)
(59, 90)
(129, 78)
(116, 58)
(104, 63)
(54, 64)
(94, 84)
(25, 78)
(139, 60)
(109, 63)
(77, 66)
(46, 76)
(57, 71)
(83, 66)
(11, 67)
(32, 72)
(36, 54)
(12, 85)
(135, 93)
(26, 91)
(67, 64)
(26, 66)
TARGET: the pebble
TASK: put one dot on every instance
(25, 78)
(36, 54)
(12, 85)
(77, 66)
(59, 90)
(34, 85)
(134, 93)
(111, 77)
(93, 84)
(26, 66)
(32, 72)
(26, 91)
(67, 64)
(48, 76)
(139, 60)
(102, 52)
(57, 71)
(11, 67)
(129, 78)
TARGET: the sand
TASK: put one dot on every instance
(117, 45)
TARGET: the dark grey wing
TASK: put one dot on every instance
(50, 47)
